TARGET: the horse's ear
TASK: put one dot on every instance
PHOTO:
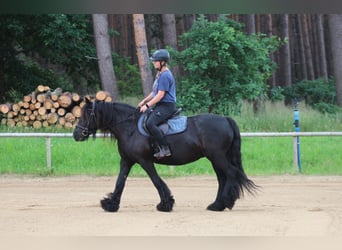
(87, 99)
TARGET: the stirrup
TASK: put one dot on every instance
(164, 151)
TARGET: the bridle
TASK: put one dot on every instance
(85, 130)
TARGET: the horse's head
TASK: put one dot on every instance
(87, 123)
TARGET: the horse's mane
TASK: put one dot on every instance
(116, 112)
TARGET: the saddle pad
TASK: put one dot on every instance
(174, 125)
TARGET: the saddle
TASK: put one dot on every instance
(174, 125)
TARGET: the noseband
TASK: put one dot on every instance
(85, 130)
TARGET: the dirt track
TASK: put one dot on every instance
(286, 206)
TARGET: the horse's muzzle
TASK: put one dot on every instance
(80, 134)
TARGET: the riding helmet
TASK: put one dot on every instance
(160, 55)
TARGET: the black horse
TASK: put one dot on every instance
(207, 135)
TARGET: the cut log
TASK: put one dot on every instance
(33, 97)
(32, 117)
(5, 108)
(42, 88)
(27, 98)
(52, 118)
(101, 95)
(26, 105)
(25, 123)
(10, 123)
(45, 124)
(19, 124)
(43, 117)
(61, 111)
(37, 124)
(42, 111)
(69, 117)
(76, 111)
(56, 105)
(41, 98)
(61, 121)
(16, 107)
(55, 94)
(28, 111)
(48, 104)
(32, 107)
(37, 105)
(108, 99)
(68, 125)
(10, 115)
(76, 97)
(65, 100)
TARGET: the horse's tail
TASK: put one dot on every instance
(234, 156)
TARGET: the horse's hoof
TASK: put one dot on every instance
(229, 204)
(166, 206)
(216, 206)
(109, 205)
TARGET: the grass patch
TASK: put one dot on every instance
(261, 156)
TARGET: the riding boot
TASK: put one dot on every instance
(164, 151)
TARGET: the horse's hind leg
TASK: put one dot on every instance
(229, 189)
(218, 204)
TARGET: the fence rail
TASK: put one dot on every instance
(295, 135)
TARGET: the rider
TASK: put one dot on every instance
(162, 99)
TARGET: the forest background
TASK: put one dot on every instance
(219, 60)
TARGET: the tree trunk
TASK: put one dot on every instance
(302, 49)
(307, 46)
(153, 31)
(104, 55)
(250, 24)
(269, 32)
(170, 37)
(142, 52)
(285, 52)
(335, 25)
(169, 30)
(2, 79)
(321, 48)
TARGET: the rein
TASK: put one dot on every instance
(85, 129)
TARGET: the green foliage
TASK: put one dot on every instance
(54, 49)
(276, 94)
(317, 93)
(223, 66)
(128, 77)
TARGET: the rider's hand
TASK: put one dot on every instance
(143, 108)
(142, 103)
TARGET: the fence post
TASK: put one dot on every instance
(48, 152)
(295, 153)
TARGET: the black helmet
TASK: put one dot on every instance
(160, 55)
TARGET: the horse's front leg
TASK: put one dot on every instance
(112, 202)
(166, 199)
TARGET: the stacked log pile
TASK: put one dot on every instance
(44, 108)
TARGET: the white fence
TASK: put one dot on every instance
(295, 136)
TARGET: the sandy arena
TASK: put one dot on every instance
(69, 206)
